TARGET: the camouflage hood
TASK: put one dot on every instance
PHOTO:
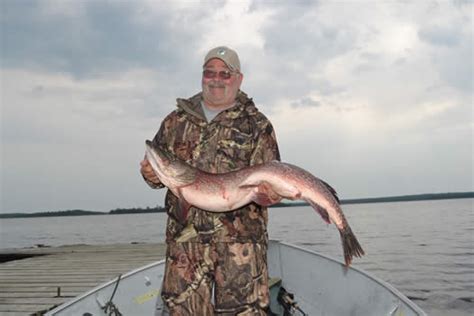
(244, 106)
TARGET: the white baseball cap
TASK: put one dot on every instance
(227, 55)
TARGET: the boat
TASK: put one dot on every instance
(302, 282)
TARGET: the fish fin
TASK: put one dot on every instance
(321, 210)
(350, 245)
(182, 209)
(265, 195)
(331, 189)
(264, 200)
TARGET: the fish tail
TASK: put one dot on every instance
(350, 245)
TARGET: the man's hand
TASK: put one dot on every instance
(265, 195)
(148, 173)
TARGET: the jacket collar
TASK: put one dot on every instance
(193, 107)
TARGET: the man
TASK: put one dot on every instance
(217, 130)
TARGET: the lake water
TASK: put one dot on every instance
(425, 249)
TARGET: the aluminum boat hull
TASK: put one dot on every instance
(320, 285)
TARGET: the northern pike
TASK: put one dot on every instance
(264, 184)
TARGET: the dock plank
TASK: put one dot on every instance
(30, 286)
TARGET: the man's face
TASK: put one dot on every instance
(220, 90)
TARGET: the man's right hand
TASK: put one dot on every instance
(148, 173)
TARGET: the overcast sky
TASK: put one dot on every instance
(375, 97)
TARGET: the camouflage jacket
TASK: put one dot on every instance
(237, 137)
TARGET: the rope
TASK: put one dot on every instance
(110, 307)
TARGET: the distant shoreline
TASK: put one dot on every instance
(158, 209)
(409, 198)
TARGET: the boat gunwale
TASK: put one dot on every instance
(103, 285)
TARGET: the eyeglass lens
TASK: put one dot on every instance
(209, 74)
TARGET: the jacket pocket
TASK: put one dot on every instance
(234, 151)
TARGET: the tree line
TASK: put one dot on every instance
(117, 211)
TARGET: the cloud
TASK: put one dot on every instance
(443, 36)
(304, 102)
(374, 97)
(88, 38)
(298, 50)
(55, 106)
(69, 142)
(449, 45)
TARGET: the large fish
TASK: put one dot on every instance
(264, 184)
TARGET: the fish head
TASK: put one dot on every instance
(172, 171)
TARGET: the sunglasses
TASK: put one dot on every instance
(210, 74)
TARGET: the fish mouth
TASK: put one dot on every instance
(149, 144)
(155, 155)
(169, 169)
(162, 153)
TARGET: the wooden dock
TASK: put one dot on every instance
(51, 276)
